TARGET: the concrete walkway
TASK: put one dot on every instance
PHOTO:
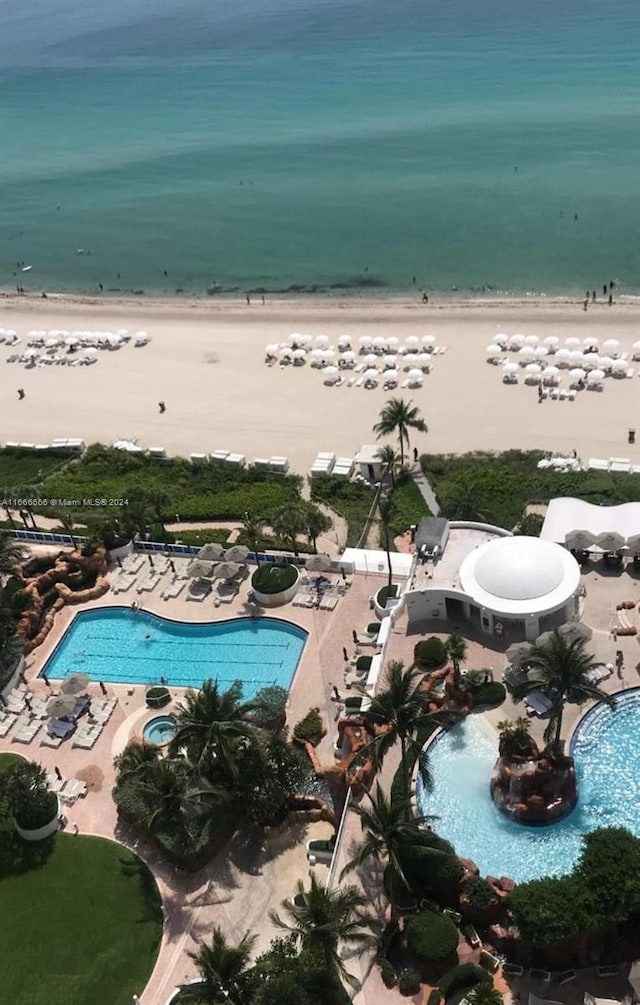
(426, 491)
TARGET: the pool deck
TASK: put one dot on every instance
(237, 888)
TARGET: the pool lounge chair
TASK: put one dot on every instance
(6, 723)
(88, 739)
(538, 704)
(50, 741)
(27, 732)
(60, 729)
(198, 590)
(149, 583)
(72, 790)
(328, 602)
(54, 784)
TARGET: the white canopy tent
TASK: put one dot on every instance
(571, 521)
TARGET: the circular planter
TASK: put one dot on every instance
(158, 697)
(40, 833)
(383, 610)
(276, 599)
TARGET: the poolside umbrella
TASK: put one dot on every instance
(75, 683)
(60, 705)
(318, 563)
(610, 541)
(238, 553)
(574, 630)
(633, 544)
(210, 552)
(518, 653)
(634, 977)
(226, 570)
(579, 539)
(199, 569)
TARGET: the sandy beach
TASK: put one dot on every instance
(206, 361)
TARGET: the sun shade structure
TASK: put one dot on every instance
(581, 525)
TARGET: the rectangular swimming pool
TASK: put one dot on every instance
(120, 646)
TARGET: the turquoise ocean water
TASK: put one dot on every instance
(278, 143)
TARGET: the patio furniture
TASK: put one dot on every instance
(328, 602)
(54, 784)
(540, 975)
(26, 732)
(198, 590)
(72, 790)
(60, 729)
(512, 970)
(538, 704)
(50, 741)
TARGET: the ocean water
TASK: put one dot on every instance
(272, 144)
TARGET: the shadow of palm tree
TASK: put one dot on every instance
(18, 857)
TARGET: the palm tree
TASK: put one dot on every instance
(158, 503)
(392, 832)
(390, 459)
(466, 501)
(288, 521)
(396, 713)
(12, 554)
(66, 522)
(253, 527)
(317, 523)
(176, 798)
(457, 650)
(485, 993)
(386, 509)
(399, 417)
(213, 726)
(221, 968)
(135, 759)
(322, 919)
(559, 669)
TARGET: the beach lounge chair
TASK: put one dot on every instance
(608, 971)
(540, 975)
(566, 977)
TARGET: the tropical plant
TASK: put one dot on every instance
(310, 728)
(30, 802)
(271, 705)
(409, 982)
(214, 727)
(386, 511)
(398, 416)
(316, 522)
(253, 526)
(478, 893)
(484, 993)
(456, 648)
(465, 975)
(394, 838)
(222, 967)
(12, 554)
(322, 920)
(514, 736)
(68, 526)
(529, 525)
(390, 460)
(11, 649)
(177, 801)
(430, 653)
(288, 522)
(396, 714)
(432, 937)
(465, 501)
(560, 669)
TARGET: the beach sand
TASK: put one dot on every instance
(206, 361)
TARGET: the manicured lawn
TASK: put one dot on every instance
(81, 922)
(8, 760)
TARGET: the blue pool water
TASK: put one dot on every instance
(606, 748)
(160, 730)
(120, 646)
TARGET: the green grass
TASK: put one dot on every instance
(506, 483)
(8, 760)
(350, 500)
(81, 922)
(273, 578)
(408, 504)
(21, 468)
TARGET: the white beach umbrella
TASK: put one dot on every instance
(305, 340)
(348, 355)
(636, 346)
(31, 353)
(370, 374)
(531, 340)
(510, 367)
(551, 371)
(591, 362)
(611, 344)
(595, 376)
(90, 352)
(576, 356)
(572, 342)
(605, 362)
(526, 352)
(379, 342)
(563, 357)
(619, 367)
(412, 340)
(210, 552)
(294, 339)
(390, 375)
(516, 341)
(322, 341)
(424, 359)
(551, 340)
(493, 350)
(533, 368)
(431, 339)
(365, 340)
(330, 369)
(415, 374)
(71, 340)
(577, 373)
(590, 342)
(392, 341)
(540, 351)
(328, 354)
(371, 359)
(299, 353)
(389, 362)
(198, 569)
(51, 342)
(270, 350)
(411, 358)
(344, 341)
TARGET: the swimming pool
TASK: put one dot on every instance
(606, 748)
(121, 646)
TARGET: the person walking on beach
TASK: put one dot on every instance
(162, 407)
(248, 300)
(425, 297)
(611, 300)
(20, 393)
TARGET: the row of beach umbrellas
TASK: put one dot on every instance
(513, 343)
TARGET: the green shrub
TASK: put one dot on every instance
(491, 694)
(29, 800)
(409, 983)
(386, 593)
(466, 975)
(388, 973)
(440, 875)
(430, 653)
(409, 506)
(272, 702)
(373, 627)
(434, 997)
(158, 697)
(364, 662)
(310, 728)
(272, 578)
(432, 937)
(479, 893)
(350, 500)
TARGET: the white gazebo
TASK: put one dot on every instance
(523, 581)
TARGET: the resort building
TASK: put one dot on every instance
(504, 585)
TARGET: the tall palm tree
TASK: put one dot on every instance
(66, 522)
(390, 459)
(559, 669)
(253, 527)
(399, 417)
(466, 501)
(392, 833)
(12, 554)
(457, 650)
(213, 727)
(288, 521)
(176, 798)
(386, 509)
(322, 919)
(396, 713)
(221, 966)
(485, 993)
(317, 523)
(135, 759)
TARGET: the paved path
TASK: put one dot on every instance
(426, 491)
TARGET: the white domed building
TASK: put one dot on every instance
(503, 584)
